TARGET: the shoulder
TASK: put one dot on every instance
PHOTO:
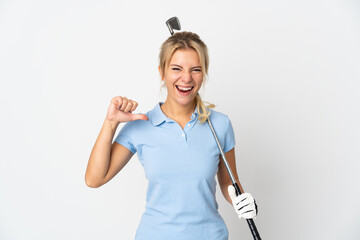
(223, 127)
(219, 117)
(221, 122)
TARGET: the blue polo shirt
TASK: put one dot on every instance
(180, 165)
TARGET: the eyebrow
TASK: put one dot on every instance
(181, 66)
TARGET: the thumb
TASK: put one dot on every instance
(140, 117)
(231, 191)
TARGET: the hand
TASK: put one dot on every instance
(121, 108)
(244, 204)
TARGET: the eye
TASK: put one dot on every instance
(175, 69)
(197, 69)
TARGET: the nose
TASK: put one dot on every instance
(187, 77)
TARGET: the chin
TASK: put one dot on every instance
(185, 102)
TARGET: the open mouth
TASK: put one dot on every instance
(184, 89)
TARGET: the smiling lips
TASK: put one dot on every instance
(183, 89)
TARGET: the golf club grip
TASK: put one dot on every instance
(250, 222)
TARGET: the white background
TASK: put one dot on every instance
(286, 72)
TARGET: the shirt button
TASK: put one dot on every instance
(188, 124)
(183, 134)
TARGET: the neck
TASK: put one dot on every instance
(176, 111)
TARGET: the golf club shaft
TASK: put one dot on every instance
(250, 222)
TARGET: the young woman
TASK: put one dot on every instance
(176, 147)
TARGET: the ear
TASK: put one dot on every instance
(161, 76)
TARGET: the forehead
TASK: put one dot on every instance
(185, 57)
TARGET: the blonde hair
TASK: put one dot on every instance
(187, 40)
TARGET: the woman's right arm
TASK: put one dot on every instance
(107, 159)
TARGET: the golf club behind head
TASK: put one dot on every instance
(173, 23)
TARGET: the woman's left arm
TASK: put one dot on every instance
(223, 176)
(244, 204)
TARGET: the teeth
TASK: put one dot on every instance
(184, 89)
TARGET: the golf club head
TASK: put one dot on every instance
(173, 23)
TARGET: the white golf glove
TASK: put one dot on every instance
(244, 204)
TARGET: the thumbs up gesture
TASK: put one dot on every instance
(121, 108)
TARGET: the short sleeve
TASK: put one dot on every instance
(125, 137)
(229, 142)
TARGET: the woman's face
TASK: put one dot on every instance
(184, 77)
